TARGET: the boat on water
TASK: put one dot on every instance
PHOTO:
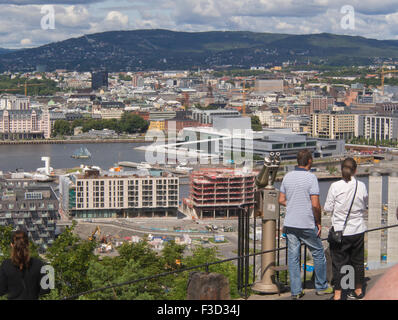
(143, 166)
(81, 153)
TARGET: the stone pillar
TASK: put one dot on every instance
(392, 233)
(374, 220)
(207, 286)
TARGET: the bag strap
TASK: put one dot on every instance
(352, 202)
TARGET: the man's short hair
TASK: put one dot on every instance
(303, 157)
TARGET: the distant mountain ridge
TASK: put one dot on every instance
(157, 49)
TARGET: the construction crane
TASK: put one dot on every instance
(383, 72)
(244, 92)
(25, 85)
(93, 237)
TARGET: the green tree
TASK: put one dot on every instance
(61, 128)
(201, 256)
(256, 124)
(70, 257)
(135, 261)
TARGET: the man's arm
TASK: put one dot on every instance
(316, 209)
(282, 199)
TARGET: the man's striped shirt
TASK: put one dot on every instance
(298, 186)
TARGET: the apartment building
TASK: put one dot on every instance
(119, 194)
(378, 127)
(30, 206)
(334, 125)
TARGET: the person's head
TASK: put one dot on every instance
(348, 169)
(20, 254)
(304, 158)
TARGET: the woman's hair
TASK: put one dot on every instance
(20, 255)
(348, 168)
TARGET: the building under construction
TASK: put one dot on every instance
(219, 193)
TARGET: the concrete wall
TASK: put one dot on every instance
(374, 221)
(392, 233)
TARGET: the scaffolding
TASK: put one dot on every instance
(220, 192)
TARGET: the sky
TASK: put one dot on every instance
(30, 23)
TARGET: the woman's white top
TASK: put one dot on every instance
(338, 202)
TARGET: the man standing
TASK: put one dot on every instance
(300, 194)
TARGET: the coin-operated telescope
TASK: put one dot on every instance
(267, 207)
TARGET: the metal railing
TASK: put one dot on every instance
(243, 279)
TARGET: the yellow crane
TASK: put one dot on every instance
(383, 72)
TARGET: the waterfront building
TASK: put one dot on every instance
(25, 124)
(96, 194)
(230, 135)
(29, 205)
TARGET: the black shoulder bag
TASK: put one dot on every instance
(336, 237)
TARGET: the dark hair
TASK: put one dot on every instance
(303, 157)
(348, 168)
(20, 254)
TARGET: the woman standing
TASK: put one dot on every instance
(347, 201)
(21, 275)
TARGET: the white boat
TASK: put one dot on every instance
(183, 169)
(144, 165)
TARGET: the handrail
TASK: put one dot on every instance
(205, 265)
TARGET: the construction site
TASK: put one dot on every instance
(219, 193)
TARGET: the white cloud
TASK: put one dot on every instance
(18, 22)
(26, 42)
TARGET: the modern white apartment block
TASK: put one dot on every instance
(119, 195)
(378, 127)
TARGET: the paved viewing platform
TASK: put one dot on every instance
(371, 277)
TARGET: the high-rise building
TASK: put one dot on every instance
(99, 79)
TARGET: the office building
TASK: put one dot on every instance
(99, 80)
